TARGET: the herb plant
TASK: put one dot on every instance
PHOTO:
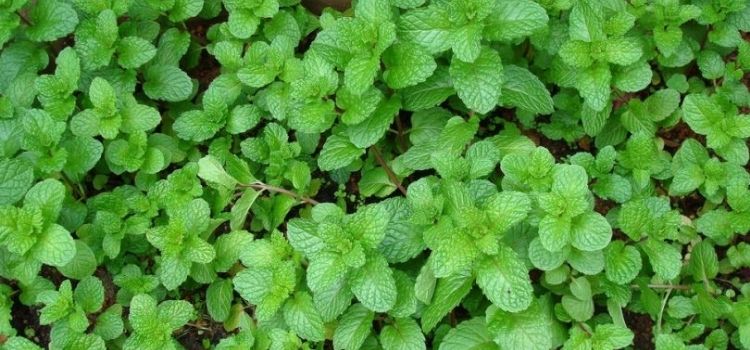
(394, 174)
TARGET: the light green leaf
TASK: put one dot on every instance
(15, 179)
(407, 65)
(303, 318)
(353, 328)
(524, 90)
(513, 19)
(374, 286)
(479, 83)
(55, 246)
(337, 153)
(505, 281)
(134, 52)
(51, 19)
(167, 83)
(211, 170)
(403, 334)
(219, 297)
(665, 259)
(469, 335)
(622, 263)
(590, 232)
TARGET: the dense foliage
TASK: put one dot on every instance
(403, 175)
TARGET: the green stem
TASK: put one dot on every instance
(264, 187)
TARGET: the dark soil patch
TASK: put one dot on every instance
(208, 68)
(317, 6)
(559, 148)
(642, 327)
(603, 206)
(110, 290)
(619, 235)
(623, 100)
(306, 42)
(674, 136)
(192, 338)
(25, 317)
(535, 275)
(743, 274)
(53, 275)
(206, 71)
(689, 205)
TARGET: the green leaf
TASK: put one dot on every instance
(469, 335)
(83, 264)
(211, 170)
(524, 90)
(403, 334)
(55, 246)
(610, 336)
(593, 84)
(529, 329)
(374, 286)
(448, 294)
(219, 297)
(337, 153)
(515, 19)
(505, 281)
(586, 22)
(430, 93)
(370, 131)
(622, 263)
(407, 65)
(428, 27)
(134, 52)
(51, 19)
(16, 178)
(360, 73)
(89, 294)
(704, 264)
(479, 83)
(665, 259)
(353, 328)
(633, 78)
(167, 83)
(590, 232)
(623, 51)
(88, 152)
(303, 318)
(109, 324)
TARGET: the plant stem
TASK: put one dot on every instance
(25, 20)
(264, 187)
(388, 170)
(661, 310)
(664, 286)
(400, 136)
(193, 325)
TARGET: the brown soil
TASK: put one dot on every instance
(192, 337)
(52, 274)
(27, 318)
(619, 235)
(674, 136)
(559, 148)
(208, 68)
(688, 205)
(206, 71)
(110, 290)
(642, 327)
(317, 6)
(603, 206)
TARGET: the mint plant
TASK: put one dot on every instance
(374, 174)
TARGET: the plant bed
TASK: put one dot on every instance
(374, 174)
